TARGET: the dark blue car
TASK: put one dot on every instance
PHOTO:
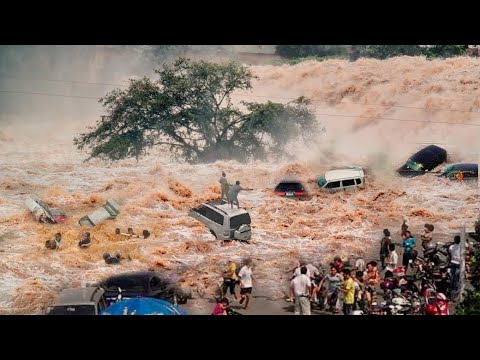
(464, 171)
(425, 160)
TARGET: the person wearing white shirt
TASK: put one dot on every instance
(246, 282)
(312, 271)
(360, 264)
(300, 288)
(392, 259)
(313, 274)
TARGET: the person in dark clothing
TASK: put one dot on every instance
(111, 260)
(386, 240)
(338, 264)
(85, 241)
(54, 244)
(455, 261)
(404, 225)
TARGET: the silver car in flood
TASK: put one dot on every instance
(224, 222)
(108, 211)
(79, 301)
(42, 212)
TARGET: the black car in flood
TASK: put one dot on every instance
(290, 188)
(425, 160)
(464, 171)
(141, 284)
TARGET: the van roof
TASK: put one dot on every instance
(79, 296)
(343, 174)
(225, 208)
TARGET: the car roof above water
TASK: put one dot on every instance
(226, 208)
(137, 276)
(425, 153)
(343, 174)
(79, 296)
(290, 180)
(462, 167)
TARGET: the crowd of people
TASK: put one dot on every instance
(347, 285)
(344, 287)
(355, 286)
(244, 278)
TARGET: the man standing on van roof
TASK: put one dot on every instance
(233, 194)
(225, 186)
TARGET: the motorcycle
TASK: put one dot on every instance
(437, 304)
(232, 312)
(437, 254)
(399, 305)
(388, 285)
(378, 309)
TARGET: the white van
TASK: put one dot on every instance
(342, 179)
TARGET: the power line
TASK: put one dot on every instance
(62, 81)
(323, 114)
(47, 94)
(391, 119)
(412, 107)
(251, 95)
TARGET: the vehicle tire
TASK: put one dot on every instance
(213, 233)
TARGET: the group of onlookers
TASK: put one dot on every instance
(231, 278)
(345, 286)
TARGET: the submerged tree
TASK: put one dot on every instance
(190, 111)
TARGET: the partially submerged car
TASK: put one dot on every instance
(42, 212)
(290, 188)
(342, 179)
(464, 171)
(224, 222)
(108, 211)
(79, 301)
(141, 284)
(422, 161)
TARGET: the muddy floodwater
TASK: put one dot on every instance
(376, 114)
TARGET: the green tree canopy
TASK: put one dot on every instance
(190, 111)
(299, 51)
(370, 51)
